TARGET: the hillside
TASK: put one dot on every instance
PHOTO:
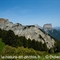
(2, 45)
(26, 40)
(22, 53)
(29, 31)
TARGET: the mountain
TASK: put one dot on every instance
(57, 28)
(54, 32)
(29, 31)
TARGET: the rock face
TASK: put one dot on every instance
(51, 31)
(3, 20)
(47, 26)
(29, 31)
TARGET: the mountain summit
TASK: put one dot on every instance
(2, 20)
(29, 31)
(54, 32)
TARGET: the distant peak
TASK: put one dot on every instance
(47, 26)
(3, 20)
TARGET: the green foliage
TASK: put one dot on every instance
(8, 50)
(2, 45)
(41, 46)
(23, 41)
(29, 43)
(51, 50)
(45, 47)
(25, 51)
(57, 46)
(21, 51)
(9, 38)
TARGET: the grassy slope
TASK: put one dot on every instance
(1, 45)
(21, 51)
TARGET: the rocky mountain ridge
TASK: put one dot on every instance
(29, 31)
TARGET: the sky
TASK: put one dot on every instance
(30, 12)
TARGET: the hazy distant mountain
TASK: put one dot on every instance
(29, 31)
(55, 32)
(57, 28)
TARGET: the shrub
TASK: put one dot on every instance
(8, 50)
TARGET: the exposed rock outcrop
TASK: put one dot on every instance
(51, 31)
(47, 26)
(3, 20)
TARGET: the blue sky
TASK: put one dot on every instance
(29, 12)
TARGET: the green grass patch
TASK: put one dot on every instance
(2, 45)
